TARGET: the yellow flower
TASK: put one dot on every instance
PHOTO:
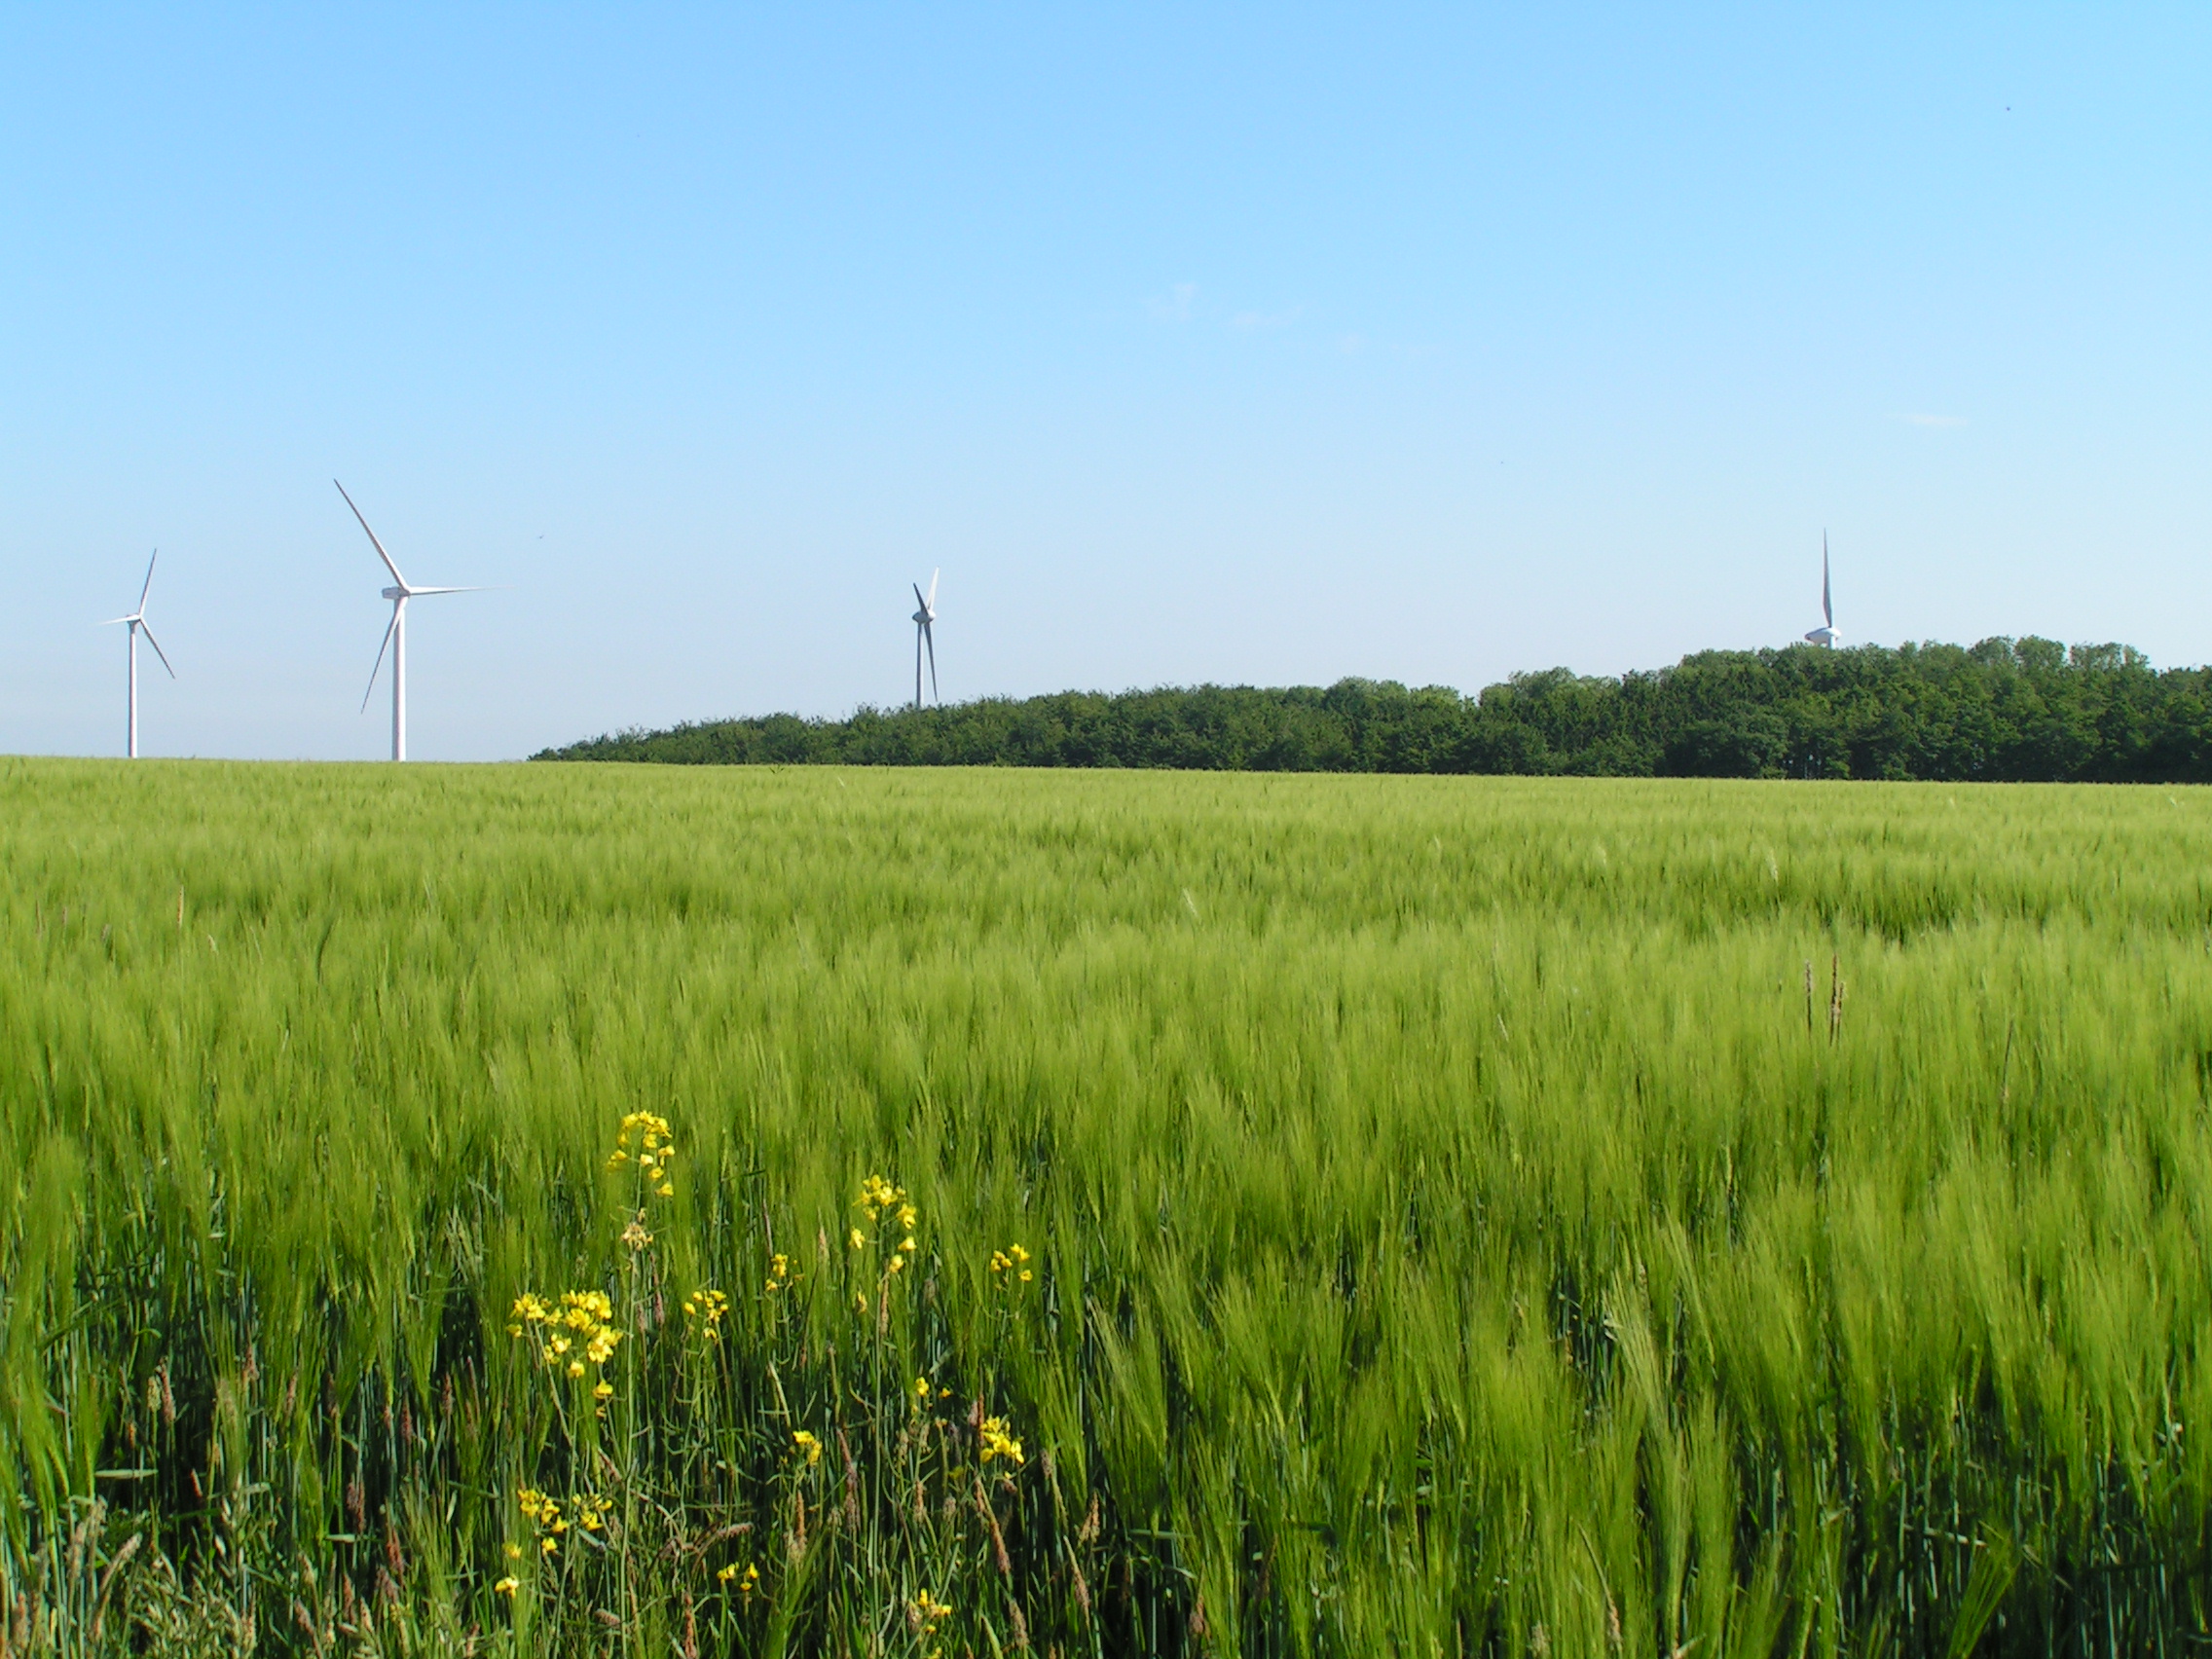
(807, 1447)
(929, 1608)
(576, 1368)
(667, 1192)
(854, 1240)
(997, 1443)
(506, 1586)
(921, 1388)
(726, 1573)
(515, 1550)
(549, 1546)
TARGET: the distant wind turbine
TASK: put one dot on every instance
(396, 634)
(135, 621)
(1825, 633)
(925, 640)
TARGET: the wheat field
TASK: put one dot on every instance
(616, 1210)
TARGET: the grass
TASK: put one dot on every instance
(1464, 1215)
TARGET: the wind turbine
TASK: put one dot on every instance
(135, 621)
(396, 634)
(923, 639)
(1824, 635)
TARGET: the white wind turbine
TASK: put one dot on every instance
(1825, 633)
(135, 621)
(923, 639)
(396, 634)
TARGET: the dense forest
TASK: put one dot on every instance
(2016, 710)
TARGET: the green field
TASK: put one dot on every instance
(1461, 1215)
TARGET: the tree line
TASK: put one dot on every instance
(2026, 709)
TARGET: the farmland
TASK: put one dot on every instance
(1108, 1213)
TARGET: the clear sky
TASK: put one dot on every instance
(1261, 345)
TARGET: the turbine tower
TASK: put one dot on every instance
(925, 640)
(396, 634)
(1824, 635)
(135, 621)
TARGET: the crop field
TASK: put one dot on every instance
(631, 1212)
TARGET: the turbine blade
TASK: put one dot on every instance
(373, 542)
(417, 593)
(918, 599)
(157, 644)
(374, 672)
(149, 587)
(113, 620)
(929, 638)
(931, 606)
(1828, 607)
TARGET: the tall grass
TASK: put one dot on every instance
(1464, 1215)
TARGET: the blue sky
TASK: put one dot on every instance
(1251, 345)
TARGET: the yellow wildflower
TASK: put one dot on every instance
(997, 1443)
(928, 1607)
(507, 1586)
(807, 1447)
(854, 1240)
(549, 1546)
(667, 1192)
